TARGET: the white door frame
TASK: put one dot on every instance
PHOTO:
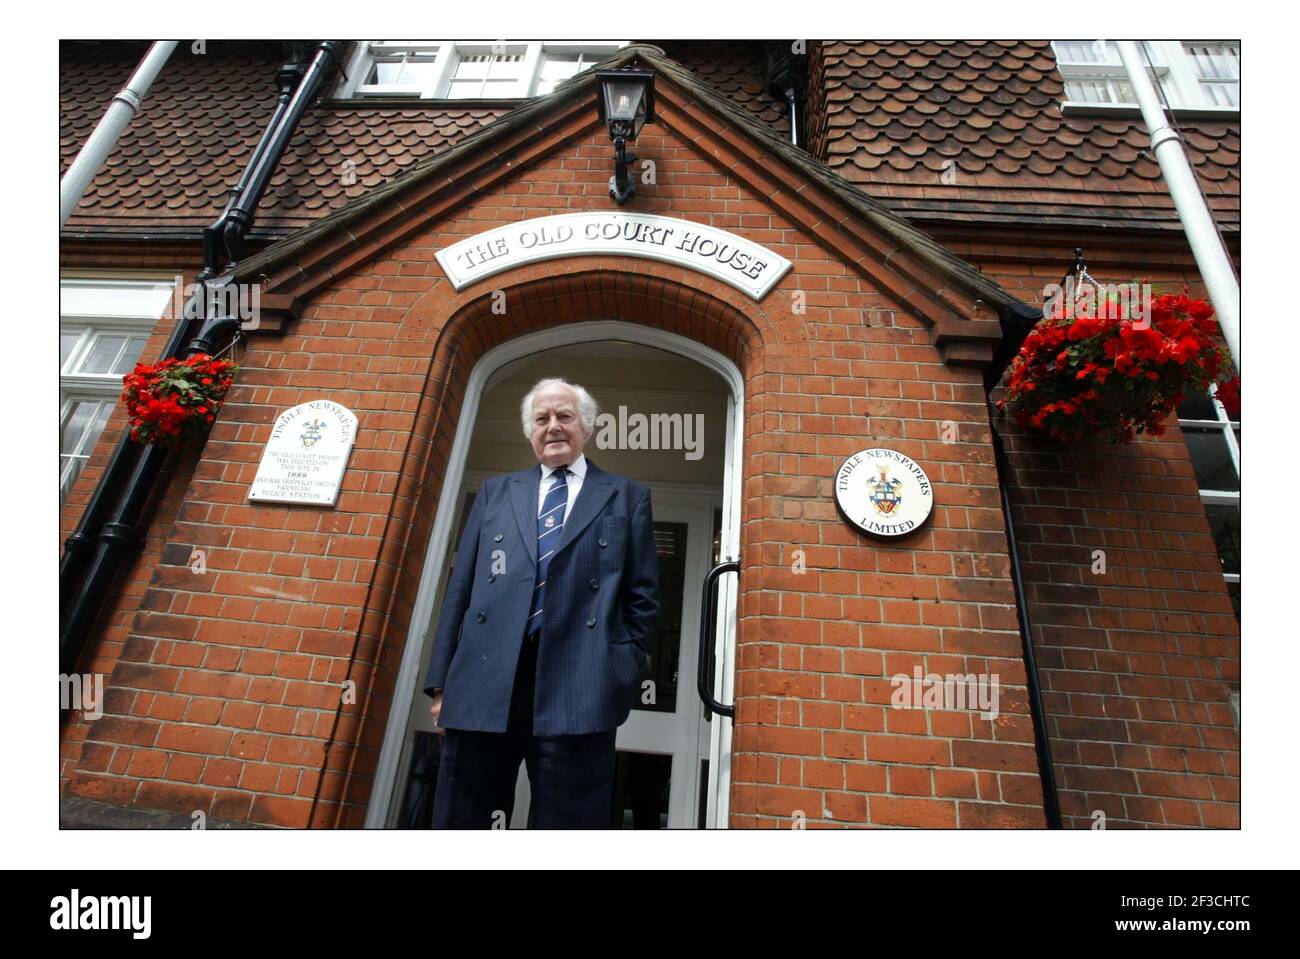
(379, 810)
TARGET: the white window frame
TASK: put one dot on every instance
(447, 54)
(92, 305)
(1172, 66)
(1198, 83)
(1228, 426)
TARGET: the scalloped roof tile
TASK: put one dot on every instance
(939, 130)
(189, 144)
(984, 120)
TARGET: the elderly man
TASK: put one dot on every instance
(542, 639)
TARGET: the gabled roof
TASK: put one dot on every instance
(938, 283)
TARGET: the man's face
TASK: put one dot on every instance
(557, 430)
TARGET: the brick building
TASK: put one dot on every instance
(261, 661)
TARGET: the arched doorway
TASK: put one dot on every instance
(674, 767)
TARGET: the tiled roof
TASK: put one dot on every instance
(177, 159)
(188, 146)
(974, 130)
(939, 131)
(734, 68)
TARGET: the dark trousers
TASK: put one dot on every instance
(570, 778)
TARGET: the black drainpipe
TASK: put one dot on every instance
(787, 79)
(1016, 324)
(109, 525)
(288, 79)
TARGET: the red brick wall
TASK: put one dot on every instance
(1136, 664)
(227, 697)
(112, 626)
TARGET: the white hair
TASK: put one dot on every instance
(588, 408)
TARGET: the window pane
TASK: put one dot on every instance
(1225, 527)
(1087, 91)
(384, 74)
(1122, 91)
(1086, 51)
(557, 67)
(126, 363)
(1197, 407)
(1221, 94)
(76, 428)
(472, 66)
(103, 353)
(73, 465)
(1234, 591)
(1217, 65)
(1214, 61)
(66, 343)
(1210, 458)
(97, 427)
(464, 89)
(417, 72)
(87, 421)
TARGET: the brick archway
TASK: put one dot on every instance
(464, 329)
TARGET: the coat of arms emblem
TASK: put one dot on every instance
(884, 490)
(311, 432)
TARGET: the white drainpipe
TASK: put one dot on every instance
(1211, 258)
(96, 149)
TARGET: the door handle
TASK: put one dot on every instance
(705, 661)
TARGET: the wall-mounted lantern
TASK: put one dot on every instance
(626, 101)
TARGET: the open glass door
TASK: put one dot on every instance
(660, 748)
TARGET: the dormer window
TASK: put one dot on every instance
(1194, 75)
(467, 70)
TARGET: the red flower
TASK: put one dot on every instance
(1229, 394)
(1070, 393)
(173, 401)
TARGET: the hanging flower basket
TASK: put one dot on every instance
(173, 403)
(1101, 373)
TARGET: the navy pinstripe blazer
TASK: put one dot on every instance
(602, 602)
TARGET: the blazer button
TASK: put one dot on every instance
(482, 617)
(595, 584)
(603, 542)
(591, 622)
(497, 538)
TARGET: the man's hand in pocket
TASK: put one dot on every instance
(435, 711)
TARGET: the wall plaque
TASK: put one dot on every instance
(304, 459)
(726, 256)
(883, 492)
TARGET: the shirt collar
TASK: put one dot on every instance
(578, 467)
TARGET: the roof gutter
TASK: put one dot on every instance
(109, 526)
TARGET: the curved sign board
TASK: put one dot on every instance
(883, 492)
(722, 255)
(304, 460)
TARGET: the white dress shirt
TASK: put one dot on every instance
(577, 470)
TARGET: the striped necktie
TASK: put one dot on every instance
(550, 521)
